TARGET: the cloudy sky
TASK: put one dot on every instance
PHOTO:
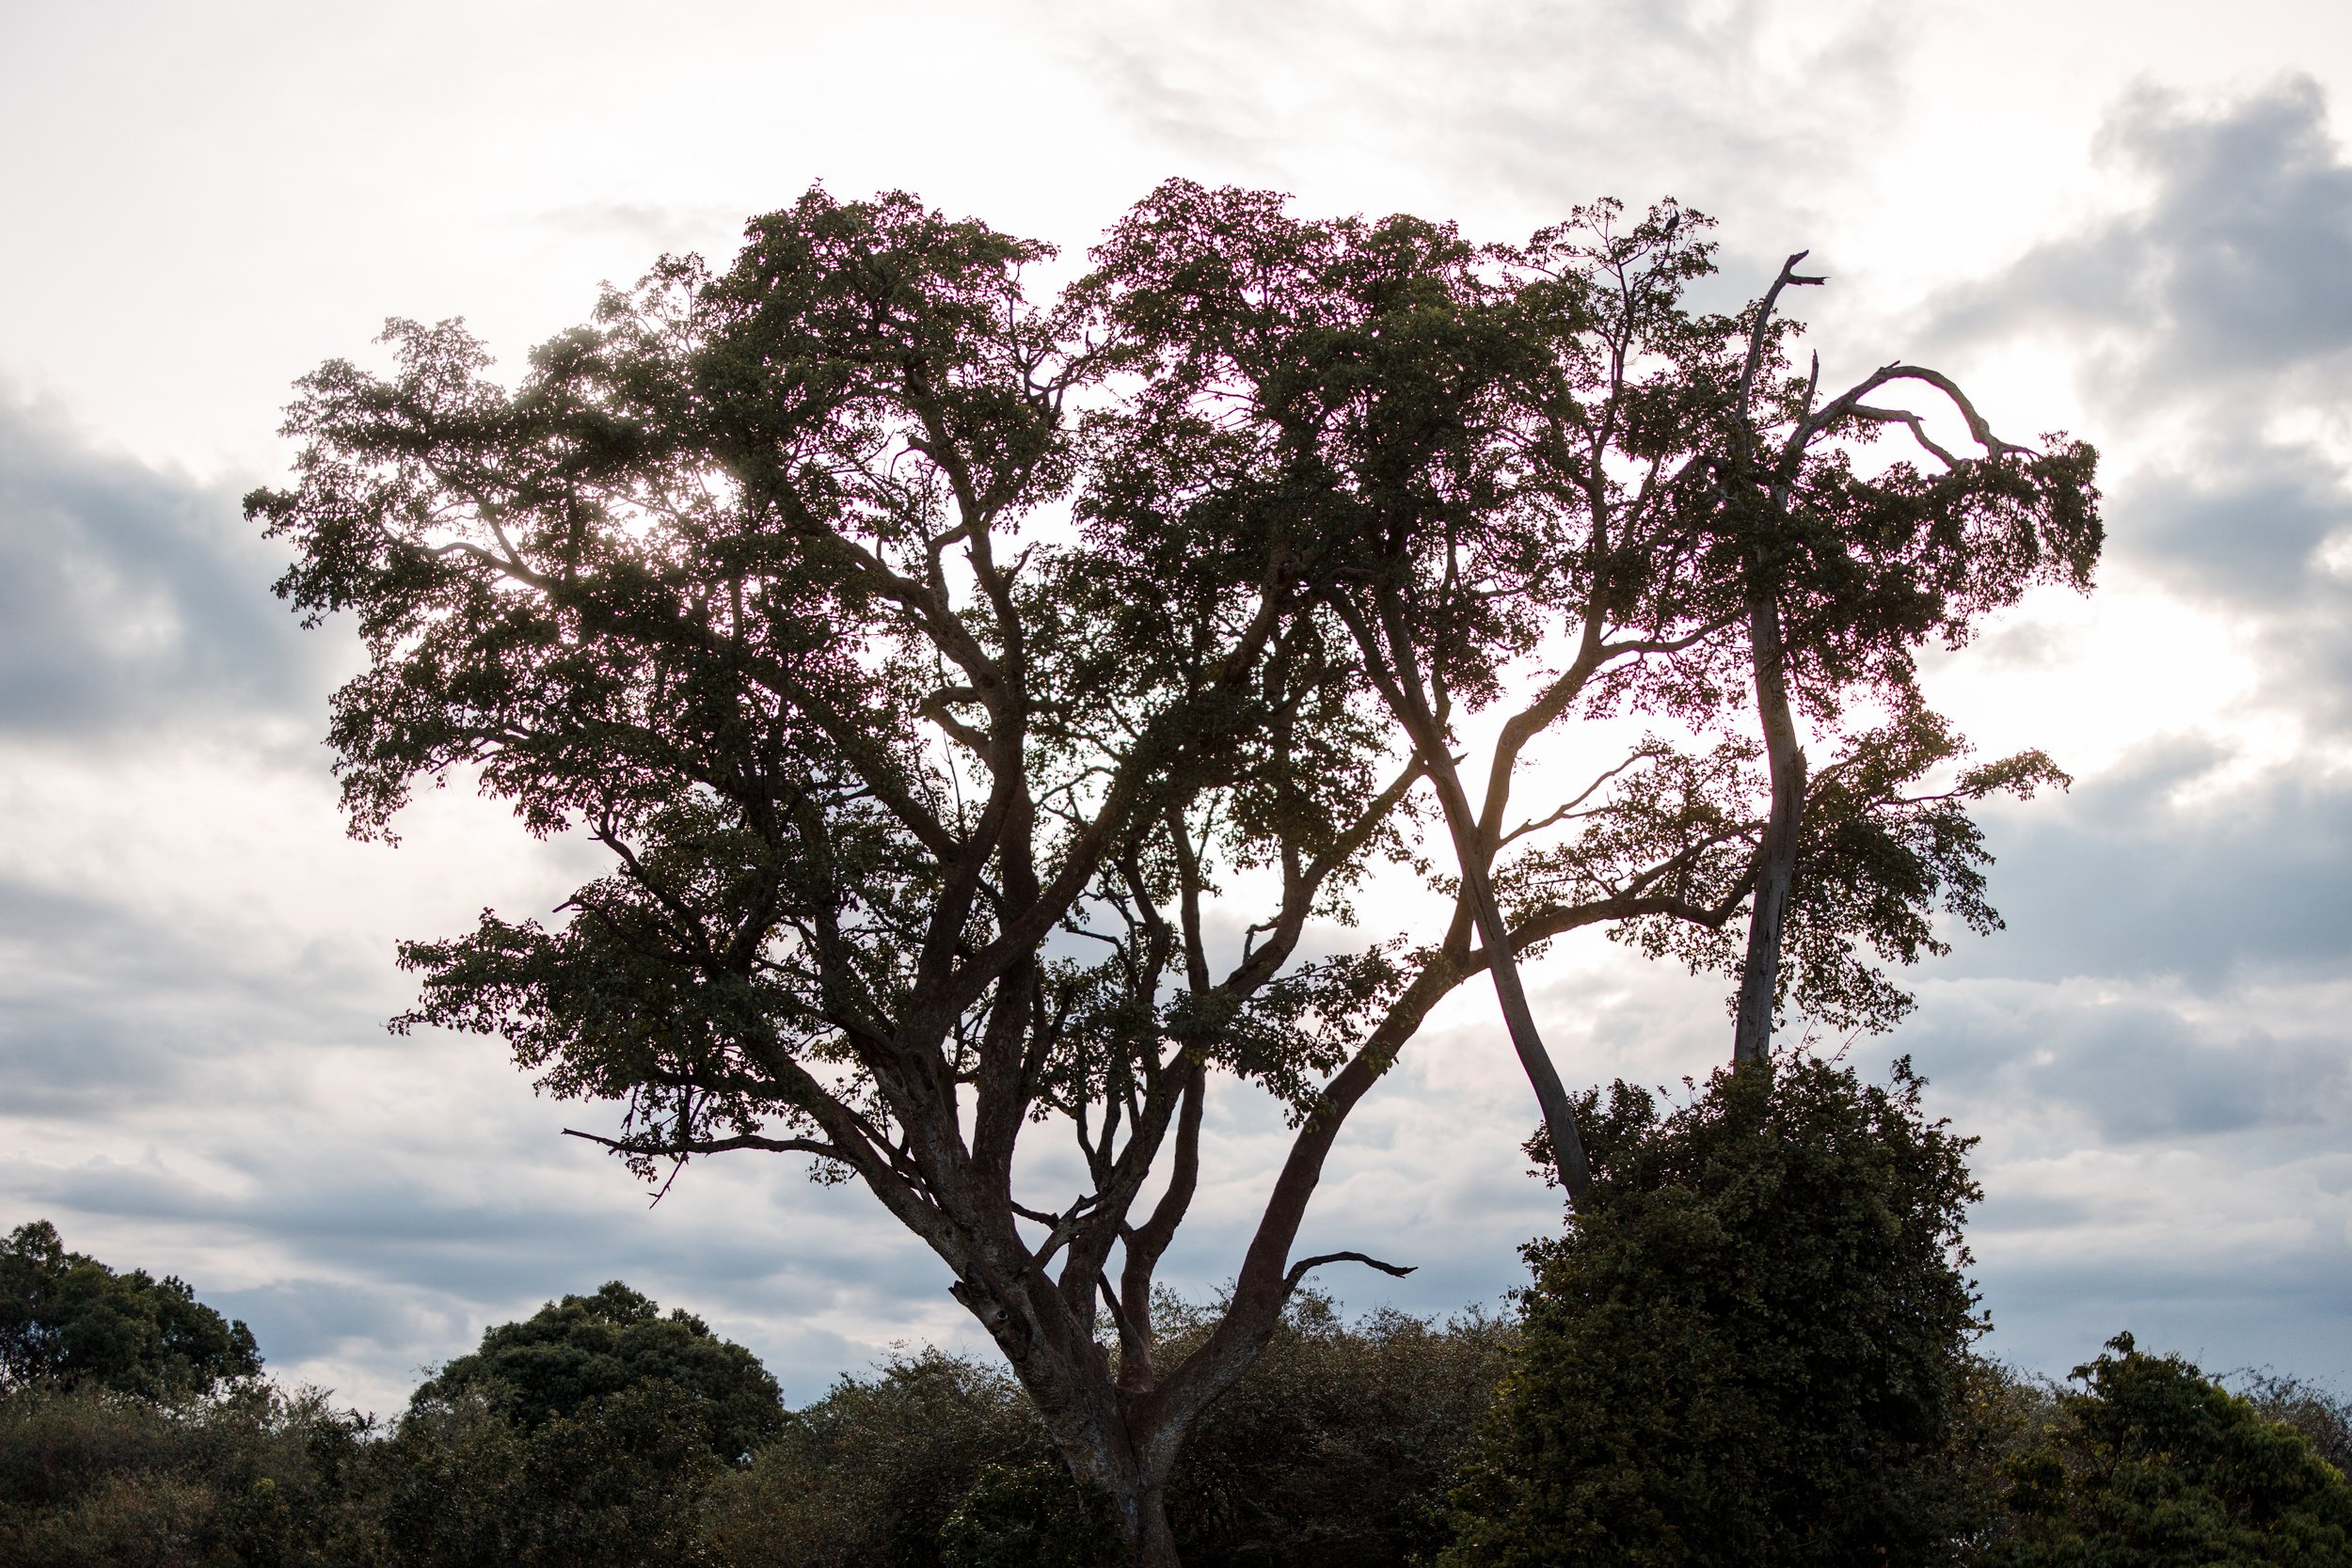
(2108, 217)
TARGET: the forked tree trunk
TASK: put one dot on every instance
(1518, 1018)
(1776, 857)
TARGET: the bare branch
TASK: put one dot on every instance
(1300, 1269)
(1788, 275)
(670, 1147)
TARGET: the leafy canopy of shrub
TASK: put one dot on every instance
(252, 1477)
(1334, 1450)
(1749, 1347)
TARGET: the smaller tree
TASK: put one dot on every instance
(2153, 1464)
(1751, 1344)
(586, 1437)
(573, 1354)
(68, 1320)
(2318, 1413)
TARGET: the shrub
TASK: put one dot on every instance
(1337, 1448)
(1333, 1452)
(256, 1477)
(1750, 1347)
(869, 1476)
(618, 1482)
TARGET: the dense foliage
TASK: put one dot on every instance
(251, 1478)
(586, 1434)
(68, 1320)
(1750, 1345)
(1333, 1452)
(576, 1354)
(1336, 1450)
(2152, 1464)
(877, 1470)
(2322, 1416)
(617, 1483)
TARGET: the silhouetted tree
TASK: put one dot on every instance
(1541, 458)
(943, 673)
(1845, 575)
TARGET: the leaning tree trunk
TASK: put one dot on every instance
(1397, 672)
(1518, 1018)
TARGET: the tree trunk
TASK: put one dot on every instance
(1138, 1501)
(1396, 670)
(1518, 1019)
(1759, 978)
(1155, 1545)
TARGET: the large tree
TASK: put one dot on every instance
(988, 708)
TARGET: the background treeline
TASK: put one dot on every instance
(1753, 1347)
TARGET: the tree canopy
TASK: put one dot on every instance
(2153, 1464)
(573, 1353)
(68, 1319)
(996, 710)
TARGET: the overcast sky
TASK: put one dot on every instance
(2108, 217)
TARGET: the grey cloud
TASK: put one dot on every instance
(2214, 307)
(2217, 306)
(2249, 534)
(2130, 1064)
(112, 1009)
(2240, 261)
(2122, 879)
(305, 1319)
(2053, 1313)
(130, 597)
(388, 1267)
